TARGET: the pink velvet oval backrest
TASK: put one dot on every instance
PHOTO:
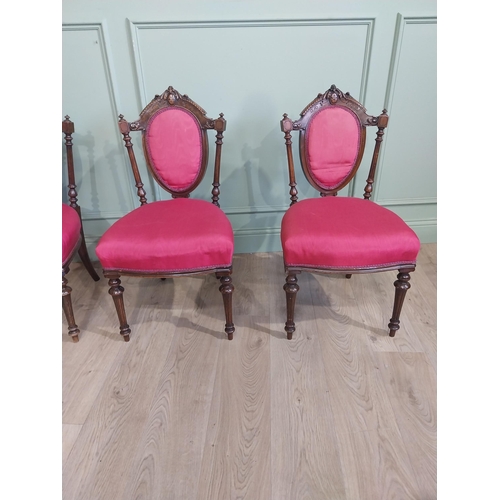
(333, 139)
(174, 147)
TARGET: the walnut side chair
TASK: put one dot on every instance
(73, 237)
(177, 237)
(340, 234)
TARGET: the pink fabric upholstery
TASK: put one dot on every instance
(343, 233)
(174, 145)
(169, 236)
(71, 226)
(332, 142)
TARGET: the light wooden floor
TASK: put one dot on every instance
(340, 412)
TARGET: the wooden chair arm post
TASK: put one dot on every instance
(68, 127)
(382, 122)
(125, 129)
(287, 127)
(220, 127)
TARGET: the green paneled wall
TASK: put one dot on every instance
(253, 61)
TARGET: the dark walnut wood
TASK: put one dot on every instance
(68, 129)
(171, 98)
(291, 288)
(116, 291)
(334, 97)
(402, 285)
(73, 330)
(227, 288)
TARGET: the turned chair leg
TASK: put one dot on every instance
(116, 291)
(291, 288)
(402, 285)
(348, 276)
(84, 256)
(73, 330)
(227, 288)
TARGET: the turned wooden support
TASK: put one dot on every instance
(116, 291)
(382, 122)
(220, 126)
(73, 330)
(287, 127)
(402, 285)
(227, 288)
(124, 126)
(291, 288)
(68, 128)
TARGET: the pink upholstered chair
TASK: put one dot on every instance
(180, 236)
(73, 238)
(336, 234)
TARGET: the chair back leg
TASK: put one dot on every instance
(73, 330)
(84, 256)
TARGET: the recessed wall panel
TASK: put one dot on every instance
(409, 163)
(253, 72)
(102, 183)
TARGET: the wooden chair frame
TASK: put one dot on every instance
(335, 97)
(172, 98)
(68, 129)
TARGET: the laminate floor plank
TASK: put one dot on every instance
(340, 412)
(374, 457)
(374, 293)
(418, 316)
(251, 279)
(411, 384)
(237, 455)
(86, 364)
(69, 434)
(167, 460)
(101, 456)
(427, 261)
(305, 456)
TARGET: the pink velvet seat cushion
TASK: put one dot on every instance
(343, 233)
(71, 226)
(169, 236)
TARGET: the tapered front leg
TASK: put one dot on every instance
(73, 330)
(402, 285)
(116, 291)
(291, 288)
(227, 288)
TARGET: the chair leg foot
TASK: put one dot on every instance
(291, 288)
(348, 276)
(227, 288)
(73, 330)
(116, 291)
(402, 285)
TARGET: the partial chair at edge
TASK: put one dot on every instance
(73, 238)
(180, 236)
(337, 234)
